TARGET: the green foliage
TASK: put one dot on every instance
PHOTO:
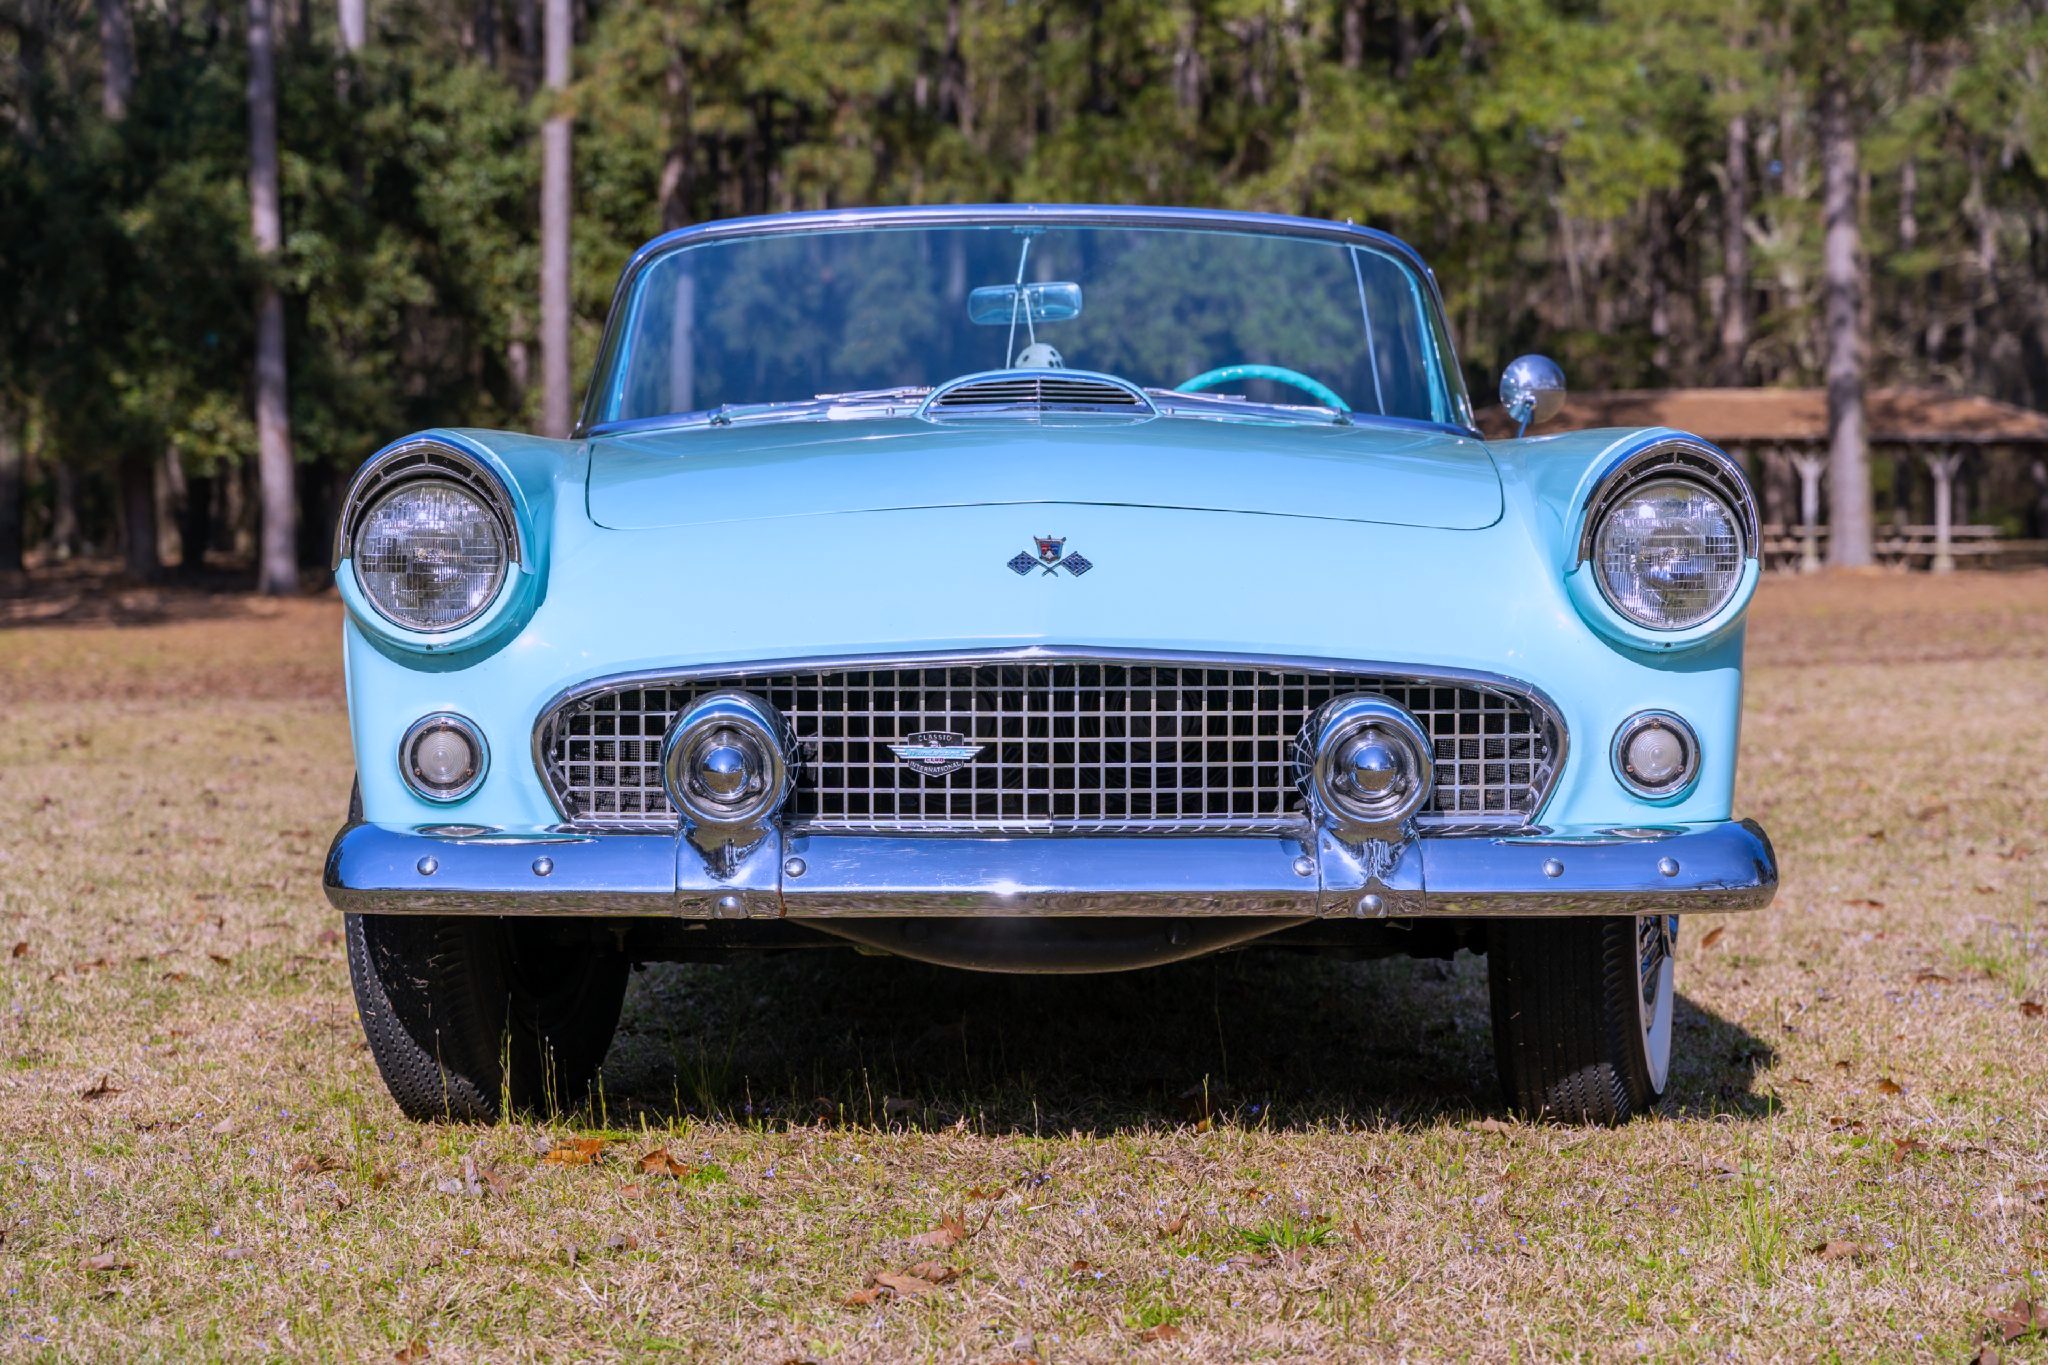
(1565, 163)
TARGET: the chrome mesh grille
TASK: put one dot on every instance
(1066, 745)
(1045, 391)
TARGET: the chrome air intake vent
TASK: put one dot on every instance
(1020, 743)
(1037, 391)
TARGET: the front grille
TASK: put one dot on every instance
(1074, 744)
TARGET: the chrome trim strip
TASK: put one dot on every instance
(1702, 460)
(425, 458)
(1661, 870)
(1534, 696)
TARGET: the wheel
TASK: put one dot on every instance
(1582, 1014)
(467, 1015)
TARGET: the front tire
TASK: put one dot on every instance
(466, 1015)
(1582, 1014)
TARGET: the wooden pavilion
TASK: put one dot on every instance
(1977, 455)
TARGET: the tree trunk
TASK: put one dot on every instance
(13, 462)
(1849, 501)
(64, 536)
(117, 59)
(136, 476)
(554, 228)
(195, 525)
(1735, 254)
(277, 566)
(354, 23)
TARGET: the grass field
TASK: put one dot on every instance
(1240, 1158)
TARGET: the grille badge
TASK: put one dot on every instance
(935, 752)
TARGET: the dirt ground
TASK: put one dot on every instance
(1251, 1157)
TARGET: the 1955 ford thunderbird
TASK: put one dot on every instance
(1036, 589)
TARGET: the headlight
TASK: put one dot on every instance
(1669, 553)
(430, 555)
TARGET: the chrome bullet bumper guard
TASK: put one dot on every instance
(1661, 869)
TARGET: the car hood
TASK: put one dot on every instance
(1385, 473)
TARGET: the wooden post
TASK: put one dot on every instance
(1943, 467)
(1811, 467)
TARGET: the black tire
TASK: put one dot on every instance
(1581, 1015)
(465, 1014)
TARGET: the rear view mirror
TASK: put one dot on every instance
(998, 305)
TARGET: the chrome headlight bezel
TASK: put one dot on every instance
(1698, 466)
(408, 466)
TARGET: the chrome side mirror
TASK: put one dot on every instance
(1532, 390)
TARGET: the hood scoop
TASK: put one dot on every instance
(1035, 394)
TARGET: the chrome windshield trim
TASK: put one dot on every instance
(972, 215)
(1043, 653)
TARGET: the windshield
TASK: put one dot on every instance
(790, 316)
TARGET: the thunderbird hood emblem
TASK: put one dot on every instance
(1052, 555)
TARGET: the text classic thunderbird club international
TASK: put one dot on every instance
(1037, 589)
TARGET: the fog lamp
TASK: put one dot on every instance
(1366, 764)
(725, 763)
(1655, 754)
(442, 757)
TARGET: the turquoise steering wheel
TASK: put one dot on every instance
(1279, 374)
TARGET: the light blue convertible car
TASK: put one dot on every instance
(1036, 589)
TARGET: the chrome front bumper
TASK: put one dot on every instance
(1668, 869)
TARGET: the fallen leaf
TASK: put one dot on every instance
(1905, 1147)
(1174, 1226)
(631, 1190)
(2025, 1318)
(1923, 977)
(1939, 808)
(936, 1272)
(2035, 1193)
(950, 1232)
(622, 1241)
(661, 1162)
(860, 1298)
(1844, 1251)
(574, 1152)
(316, 1165)
(1490, 1126)
(19, 950)
(1866, 903)
(2032, 1009)
(1165, 1331)
(1887, 1086)
(107, 1263)
(329, 938)
(979, 1193)
(101, 1088)
(222, 958)
(1986, 890)
(1713, 936)
(412, 1352)
(225, 1128)
(904, 1286)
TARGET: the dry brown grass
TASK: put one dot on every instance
(200, 1160)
